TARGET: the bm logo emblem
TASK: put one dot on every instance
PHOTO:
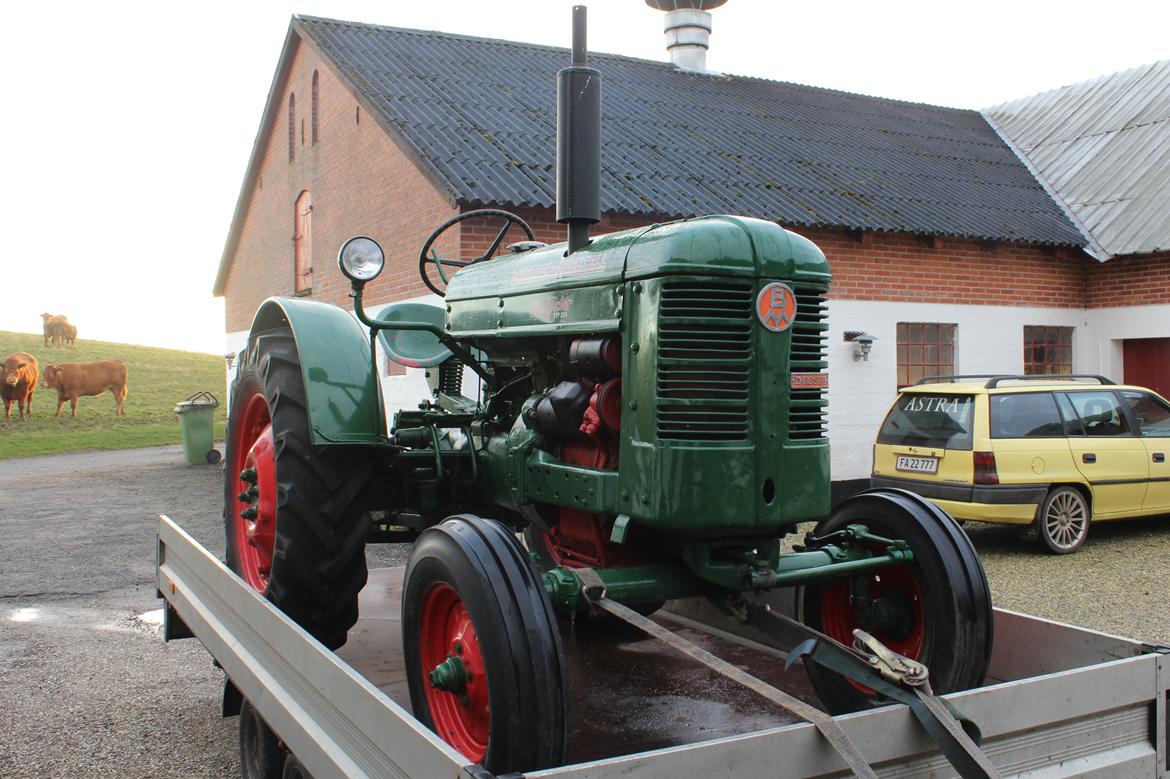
(776, 307)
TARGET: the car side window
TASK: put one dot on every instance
(1072, 422)
(1100, 412)
(1025, 415)
(1152, 414)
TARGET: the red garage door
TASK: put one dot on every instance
(1147, 363)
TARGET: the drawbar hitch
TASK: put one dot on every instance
(869, 663)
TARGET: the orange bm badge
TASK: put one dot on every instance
(776, 307)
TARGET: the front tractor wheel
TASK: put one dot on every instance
(483, 654)
(294, 525)
(936, 610)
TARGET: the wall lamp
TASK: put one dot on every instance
(862, 343)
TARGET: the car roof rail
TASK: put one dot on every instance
(952, 379)
(1051, 377)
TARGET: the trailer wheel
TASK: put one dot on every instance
(295, 527)
(293, 768)
(483, 654)
(937, 610)
(261, 756)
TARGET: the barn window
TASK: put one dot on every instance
(314, 112)
(292, 127)
(357, 115)
(925, 349)
(303, 242)
(1047, 349)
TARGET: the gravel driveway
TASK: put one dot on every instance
(88, 688)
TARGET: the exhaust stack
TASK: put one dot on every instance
(578, 141)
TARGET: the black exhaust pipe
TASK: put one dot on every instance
(578, 141)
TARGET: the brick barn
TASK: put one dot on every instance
(947, 243)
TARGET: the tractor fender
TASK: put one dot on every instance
(341, 384)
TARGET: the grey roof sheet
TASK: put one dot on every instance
(481, 115)
(1103, 146)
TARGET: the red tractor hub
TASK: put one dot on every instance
(256, 518)
(457, 692)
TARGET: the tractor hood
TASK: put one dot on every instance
(708, 246)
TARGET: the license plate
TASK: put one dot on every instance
(916, 464)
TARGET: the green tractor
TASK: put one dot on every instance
(649, 417)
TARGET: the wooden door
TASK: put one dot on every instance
(1147, 363)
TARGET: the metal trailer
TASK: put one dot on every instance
(1060, 700)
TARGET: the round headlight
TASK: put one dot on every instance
(361, 259)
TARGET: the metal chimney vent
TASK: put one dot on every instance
(688, 30)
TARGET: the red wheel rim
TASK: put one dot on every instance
(839, 619)
(462, 719)
(253, 448)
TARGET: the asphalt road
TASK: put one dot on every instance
(88, 688)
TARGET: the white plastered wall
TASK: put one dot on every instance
(1110, 326)
(989, 340)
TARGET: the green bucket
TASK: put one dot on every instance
(197, 423)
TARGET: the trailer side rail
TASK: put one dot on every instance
(335, 721)
(1104, 715)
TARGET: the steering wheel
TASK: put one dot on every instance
(442, 263)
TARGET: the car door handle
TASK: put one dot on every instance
(1088, 457)
(1159, 457)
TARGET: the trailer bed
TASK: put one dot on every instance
(1060, 700)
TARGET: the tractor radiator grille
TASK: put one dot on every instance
(704, 360)
(806, 409)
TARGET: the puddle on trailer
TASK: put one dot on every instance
(628, 693)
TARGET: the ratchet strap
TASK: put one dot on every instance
(594, 591)
(869, 663)
(889, 674)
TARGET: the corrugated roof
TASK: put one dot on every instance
(1103, 146)
(480, 114)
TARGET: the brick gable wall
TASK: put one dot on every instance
(361, 183)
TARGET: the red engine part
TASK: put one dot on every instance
(580, 538)
(605, 409)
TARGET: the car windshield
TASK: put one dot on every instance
(918, 419)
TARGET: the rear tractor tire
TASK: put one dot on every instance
(484, 661)
(939, 613)
(293, 518)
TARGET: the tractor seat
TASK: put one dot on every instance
(413, 348)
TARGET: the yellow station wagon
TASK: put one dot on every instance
(1048, 453)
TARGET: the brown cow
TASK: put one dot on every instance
(72, 380)
(54, 326)
(20, 382)
(69, 334)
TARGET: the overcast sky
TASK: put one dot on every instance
(127, 127)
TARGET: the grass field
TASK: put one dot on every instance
(158, 379)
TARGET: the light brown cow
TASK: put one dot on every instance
(69, 334)
(55, 327)
(20, 382)
(73, 379)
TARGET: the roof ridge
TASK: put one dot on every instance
(628, 58)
